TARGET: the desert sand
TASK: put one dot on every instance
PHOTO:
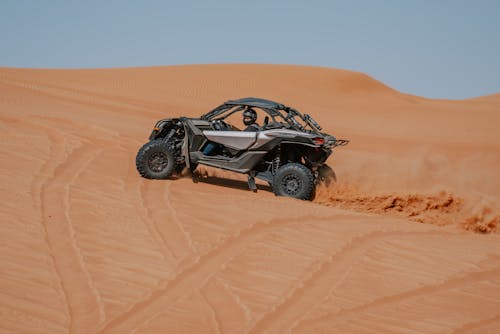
(406, 240)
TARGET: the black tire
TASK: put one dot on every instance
(155, 160)
(294, 180)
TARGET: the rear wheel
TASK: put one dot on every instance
(155, 160)
(294, 180)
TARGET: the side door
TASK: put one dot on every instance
(238, 140)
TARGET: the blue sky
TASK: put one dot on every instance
(432, 48)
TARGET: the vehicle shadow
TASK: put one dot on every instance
(228, 183)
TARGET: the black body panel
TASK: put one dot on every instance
(241, 164)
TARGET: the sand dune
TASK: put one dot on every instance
(392, 247)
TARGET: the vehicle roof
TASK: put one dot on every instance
(256, 102)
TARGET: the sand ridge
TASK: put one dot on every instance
(90, 247)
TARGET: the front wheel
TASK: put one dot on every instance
(294, 180)
(155, 160)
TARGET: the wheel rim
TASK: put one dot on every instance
(158, 161)
(291, 184)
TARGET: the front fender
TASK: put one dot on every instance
(162, 127)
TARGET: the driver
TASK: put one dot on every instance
(249, 119)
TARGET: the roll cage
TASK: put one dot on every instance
(281, 115)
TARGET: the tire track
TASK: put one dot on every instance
(196, 274)
(451, 283)
(480, 326)
(45, 187)
(167, 197)
(83, 300)
(214, 319)
(147, 217)
(322, 281)
(163, 220)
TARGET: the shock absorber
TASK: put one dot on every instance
(169, 135)
(276, 161)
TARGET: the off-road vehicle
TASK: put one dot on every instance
(288, 151)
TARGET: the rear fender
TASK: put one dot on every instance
(309, 155)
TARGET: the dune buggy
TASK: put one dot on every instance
(288, 151)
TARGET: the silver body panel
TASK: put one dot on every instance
(238, 140)
(242, 140)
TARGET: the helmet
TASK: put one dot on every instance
(249, 116)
